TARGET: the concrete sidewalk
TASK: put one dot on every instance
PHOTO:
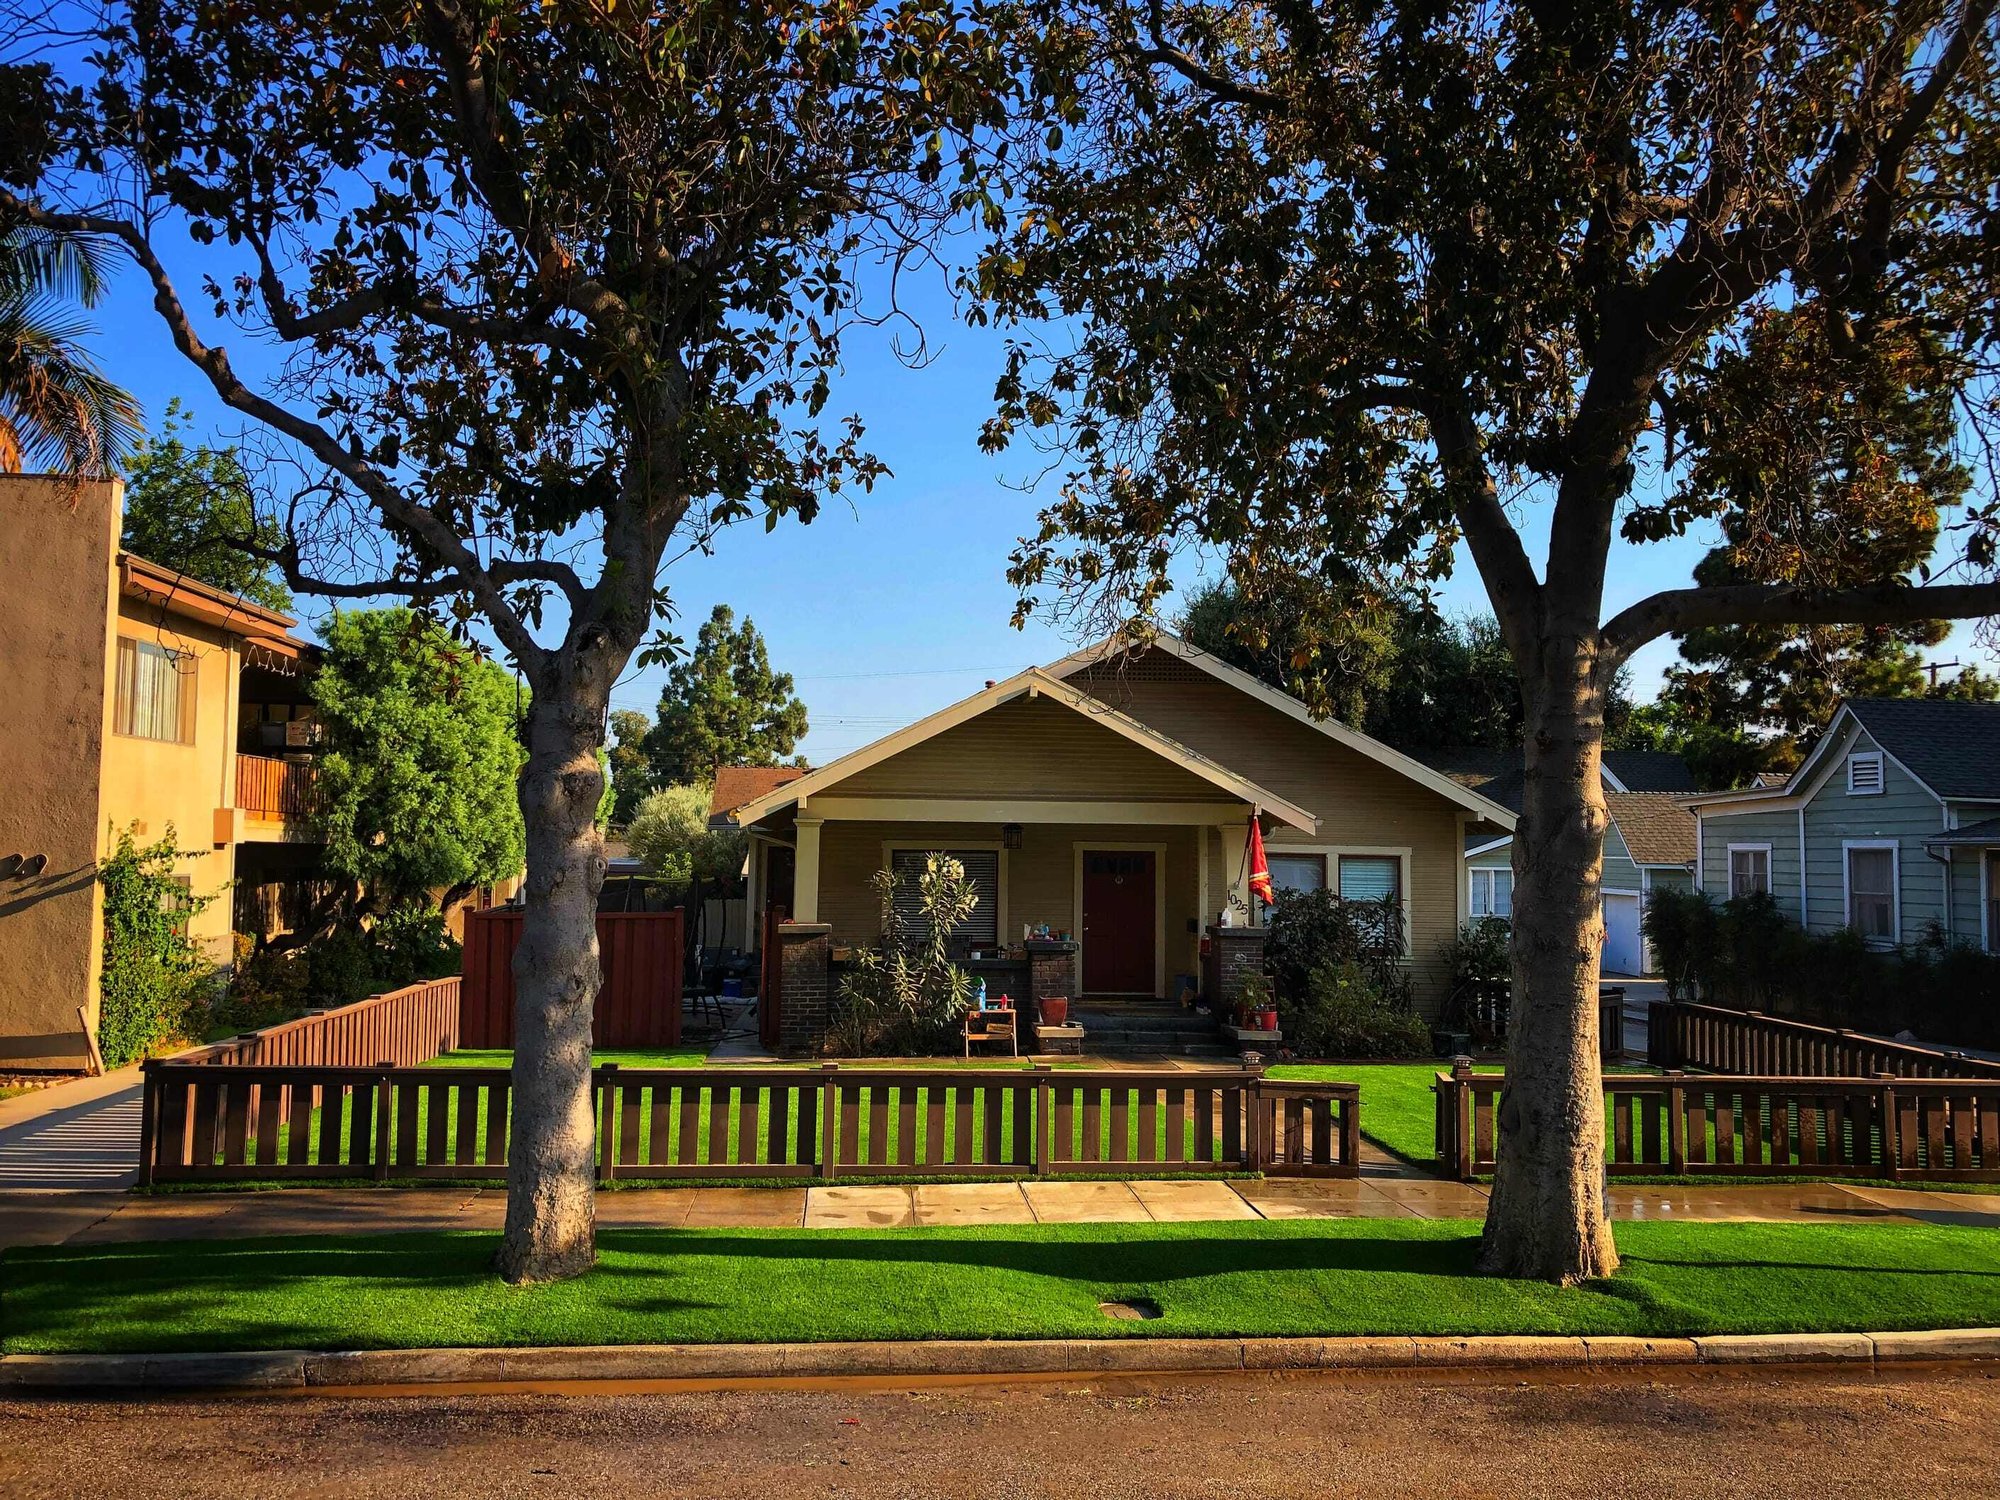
(99, 1219)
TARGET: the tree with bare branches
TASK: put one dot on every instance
(1339, 287)
(556, 289)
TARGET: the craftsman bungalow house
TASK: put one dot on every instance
(1108, 796)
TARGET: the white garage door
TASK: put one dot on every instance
(1621, 935)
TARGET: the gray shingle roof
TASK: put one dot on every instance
(1986, 831)
(1952, 747)
(1497, 773)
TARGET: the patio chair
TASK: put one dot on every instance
(991, 1026)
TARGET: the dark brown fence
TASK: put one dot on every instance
(403, 1027)
(638, 1005)
(1717, 1040)
(1927, 1129)
(221, 1123)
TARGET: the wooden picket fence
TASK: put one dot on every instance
(1718, 1040)
(407, 1026)
(223, 1123)
(1917, 1129)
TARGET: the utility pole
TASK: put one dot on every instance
(1935, 667)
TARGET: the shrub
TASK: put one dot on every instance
(905, 996)
(1343, 1012)
(1481, 983)
(1311, 929)
(407, 945)
(155, 977)
(1748, 955)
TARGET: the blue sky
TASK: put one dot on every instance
(891, 604)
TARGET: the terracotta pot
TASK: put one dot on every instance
(1267, 1020)
(1055, 1011)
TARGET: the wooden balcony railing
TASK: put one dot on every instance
(273, 790)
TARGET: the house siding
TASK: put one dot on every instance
(1030, 749)
(1619, 872)
(1903, 811)
(1778, 828)
(1359, 802)
(1040, 876)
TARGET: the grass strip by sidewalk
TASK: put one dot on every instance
(1297, 1277)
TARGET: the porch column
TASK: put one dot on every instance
(805, 876)
(753, 882)
(1235, 868)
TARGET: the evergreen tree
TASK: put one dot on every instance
(724, 706)
(184, 508)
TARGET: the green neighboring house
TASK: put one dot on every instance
(1649, 846)
(1891, 824)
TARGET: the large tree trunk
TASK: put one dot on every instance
(551, 1174)
(1546, 1218)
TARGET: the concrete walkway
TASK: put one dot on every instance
(77, 1136)
(99, 1219)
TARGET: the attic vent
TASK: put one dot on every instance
(1864, 774)
(1153, 666)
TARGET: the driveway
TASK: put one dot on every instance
(75, 1137)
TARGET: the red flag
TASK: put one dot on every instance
(1260, 872)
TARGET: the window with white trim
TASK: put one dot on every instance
(1492, 893)
(1871, 893)
(1749, 870)
(1864, 774)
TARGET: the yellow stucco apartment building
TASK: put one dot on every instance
(140, 699)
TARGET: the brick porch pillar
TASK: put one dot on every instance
(1052, 970)
(1234, 954)
(805, 1006)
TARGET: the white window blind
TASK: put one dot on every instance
(982, 866)
(155, 692)
(1370, 877)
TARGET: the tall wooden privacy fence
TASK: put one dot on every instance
(405, 1027)
(1921, 1129)
(638, 1004)
(221, 1123)
(1717, 1040)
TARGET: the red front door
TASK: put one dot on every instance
(1118, 916)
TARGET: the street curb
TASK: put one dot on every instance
(297, 1368)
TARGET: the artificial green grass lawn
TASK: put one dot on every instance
(1296, 1277)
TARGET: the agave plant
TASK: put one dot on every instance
(58, 411)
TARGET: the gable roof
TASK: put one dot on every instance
(736, 785)
(1471, 798)
(1498, 772)
(1656, 828)
(1034, 681)
(1952, 747)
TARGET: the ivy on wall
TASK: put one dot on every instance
(155, 975)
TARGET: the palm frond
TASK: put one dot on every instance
(75, 267)
(58, 410)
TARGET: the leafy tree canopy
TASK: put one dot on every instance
(418, 788)
(724, 706)
(1391, 668)
(631, 770)
(185, 506)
